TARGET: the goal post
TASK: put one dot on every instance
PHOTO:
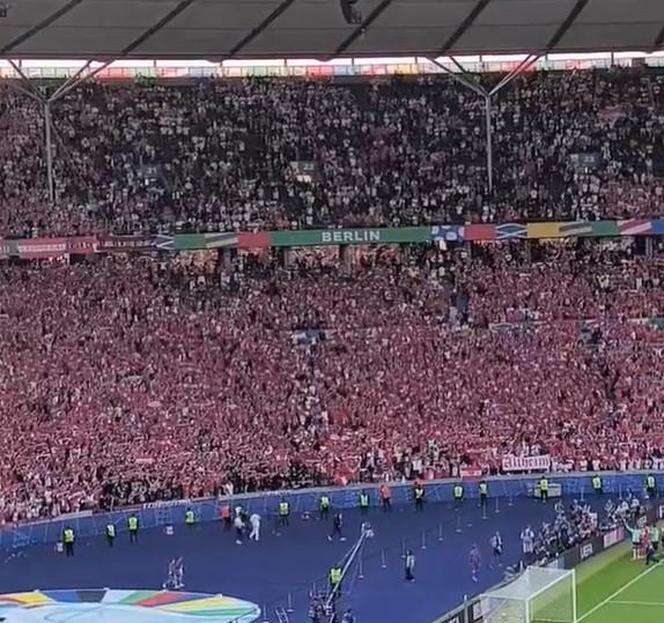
(538, 595)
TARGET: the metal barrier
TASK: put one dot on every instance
(152, 515)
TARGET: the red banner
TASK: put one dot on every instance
(42, 248)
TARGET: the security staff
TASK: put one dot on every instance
(324, 506)
(544, 488)
(484, 492)
(597, 484)
(132, 526)
(418, 497)
(651, 486)
(363, 501)
(284, 512)
(68, 541)
(110, 534)
(457, 492)
(189, 518)
(335, 580)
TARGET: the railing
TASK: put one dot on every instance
(349, 69)
(153, 515)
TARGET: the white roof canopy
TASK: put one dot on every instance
(223, 29)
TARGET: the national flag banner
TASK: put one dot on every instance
(220, 240)
(541, 463)
(480, 232)
(448, 233)
(192, 242)
(635, 227)
(576, 228)
(510, 230)
(591, 228)
(258, 240)
(551, 229)
(164, 243)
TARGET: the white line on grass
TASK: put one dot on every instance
(639, 603)
(620, 590)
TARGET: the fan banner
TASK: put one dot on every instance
(541, 463)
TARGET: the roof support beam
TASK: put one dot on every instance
(659, 41)
(169, 17)
(260, 28)
(525, 64)
(79, 78)
(75, 77)
(361, 29)
(461, 78)
(566, 25)
(28, 34)
(29, 88)
(465, 25)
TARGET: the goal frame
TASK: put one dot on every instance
(502, 592)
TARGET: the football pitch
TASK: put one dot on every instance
(613, 588)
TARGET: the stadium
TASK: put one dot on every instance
(331, 311)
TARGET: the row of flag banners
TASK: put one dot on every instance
(39, 248)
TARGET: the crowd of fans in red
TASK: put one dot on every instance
(130, 379)
(219, 156)
(135, 378)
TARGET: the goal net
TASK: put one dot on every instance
(539, 595)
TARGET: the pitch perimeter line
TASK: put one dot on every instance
(639, 603)
(620, 590)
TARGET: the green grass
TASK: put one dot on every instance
(611, 588)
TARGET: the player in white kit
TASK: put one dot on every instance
(255, 521)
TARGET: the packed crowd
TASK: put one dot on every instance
(566, 282)
(132, 379)
(570, 526)
(235, 155)
(578, 523)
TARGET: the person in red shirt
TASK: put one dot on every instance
(385, 497)
(225, 515)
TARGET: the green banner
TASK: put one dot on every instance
(316, 237)
(204, 241)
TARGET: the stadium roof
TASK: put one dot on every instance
(222, 29)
